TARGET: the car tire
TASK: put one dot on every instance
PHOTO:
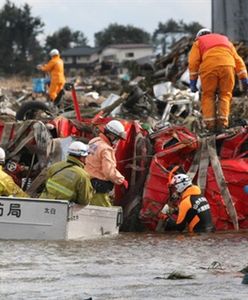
(29, 109)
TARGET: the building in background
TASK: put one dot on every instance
(125, 52)
(230, 17)
(110, 59)
(80, 58)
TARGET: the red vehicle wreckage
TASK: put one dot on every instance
(219, 164)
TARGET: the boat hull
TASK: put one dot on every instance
(44, 219)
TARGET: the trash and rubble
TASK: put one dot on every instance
(164, 129)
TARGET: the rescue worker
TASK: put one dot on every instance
(214, 58)
(101, 163)
(55, 68)
(7, 185)
(67, 180)
(193, 210)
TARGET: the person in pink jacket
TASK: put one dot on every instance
(101, 163)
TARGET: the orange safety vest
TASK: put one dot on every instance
(209, 41)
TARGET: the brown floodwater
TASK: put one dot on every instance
(127, 266)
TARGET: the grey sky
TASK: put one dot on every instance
(91, 16)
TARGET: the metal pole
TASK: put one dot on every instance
(76, 105)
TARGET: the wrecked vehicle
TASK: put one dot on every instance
(217, 163)
(168, 134)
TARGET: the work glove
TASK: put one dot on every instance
(193, 86)
(163, 214)
(125, 183)
(166, 209)
(244, 82)
(38, 67)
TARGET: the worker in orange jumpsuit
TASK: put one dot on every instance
(193, 210)
(101, 163)
(55, 68)
(214, 58)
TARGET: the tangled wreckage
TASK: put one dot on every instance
(218, 163)
(164, 130)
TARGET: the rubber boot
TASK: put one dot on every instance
(210, 127)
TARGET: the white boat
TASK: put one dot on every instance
(44, 219)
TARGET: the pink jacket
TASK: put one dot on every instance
(101, 162)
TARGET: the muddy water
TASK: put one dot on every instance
(129, 266)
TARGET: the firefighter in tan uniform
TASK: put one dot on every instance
(101, 163)
(214, 58)
(67, 180)
(193, 210)
(7, 185)
(55, 68)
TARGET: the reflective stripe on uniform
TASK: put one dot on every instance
(59, 188)
(241, 72)
(223, 117)
(209, 119)
(193, 73)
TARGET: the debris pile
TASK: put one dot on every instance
(163, 123)
(173, 65)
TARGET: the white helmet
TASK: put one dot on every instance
(202, 31)
(2, 155)
(181, 182)
(78, 149)
(115, 127)
(54, 52)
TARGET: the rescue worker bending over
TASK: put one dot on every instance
(101, 163)
(67, 180)
(7, 185)
(193, 211)
(214, 58)
(55, 68)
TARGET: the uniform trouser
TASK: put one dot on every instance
(54, 89)
(101, 199)
(218, 81)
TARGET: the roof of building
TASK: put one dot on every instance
(129, 46)
(80, 51)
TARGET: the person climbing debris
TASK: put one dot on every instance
(214, 58)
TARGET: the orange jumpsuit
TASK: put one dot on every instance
(101, 164)
(216, 60)
(55, 67)
(194, 211)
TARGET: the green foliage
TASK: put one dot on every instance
(119, 34)
(65, 38)
(172, 26)
(20, 49)
(193, 27)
